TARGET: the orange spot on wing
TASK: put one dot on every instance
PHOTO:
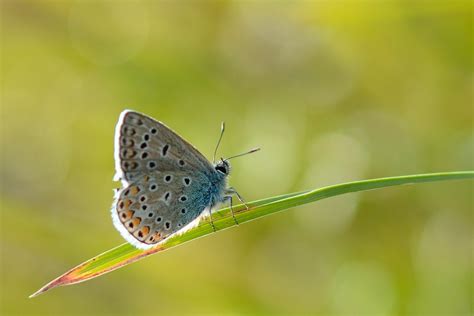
(137, 220)
(154, 238)
(134, 190)
(126, 215)
(133, 223)
(142, 233)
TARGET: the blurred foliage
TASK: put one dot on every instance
(332, 92)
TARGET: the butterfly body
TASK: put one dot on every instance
(167, 183)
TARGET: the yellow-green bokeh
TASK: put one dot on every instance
(332, 91)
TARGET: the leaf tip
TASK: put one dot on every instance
(41, 290)
(56, 282)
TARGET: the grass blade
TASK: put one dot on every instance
(125, 254)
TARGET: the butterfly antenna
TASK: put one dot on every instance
(245, 153)
(218, 142)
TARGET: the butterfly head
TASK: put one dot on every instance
(222, 167)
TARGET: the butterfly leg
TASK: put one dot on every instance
(210, 218)
(229, 198)
(233, 191)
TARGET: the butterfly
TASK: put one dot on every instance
(167, 184)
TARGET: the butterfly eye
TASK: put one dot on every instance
(221, 169)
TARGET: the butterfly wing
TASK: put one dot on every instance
(165, 181)
(149, 210)
(143, 145)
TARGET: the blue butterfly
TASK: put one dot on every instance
(167, 184)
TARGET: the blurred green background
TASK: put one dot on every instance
(331, 91)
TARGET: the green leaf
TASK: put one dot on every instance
(125, 254)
